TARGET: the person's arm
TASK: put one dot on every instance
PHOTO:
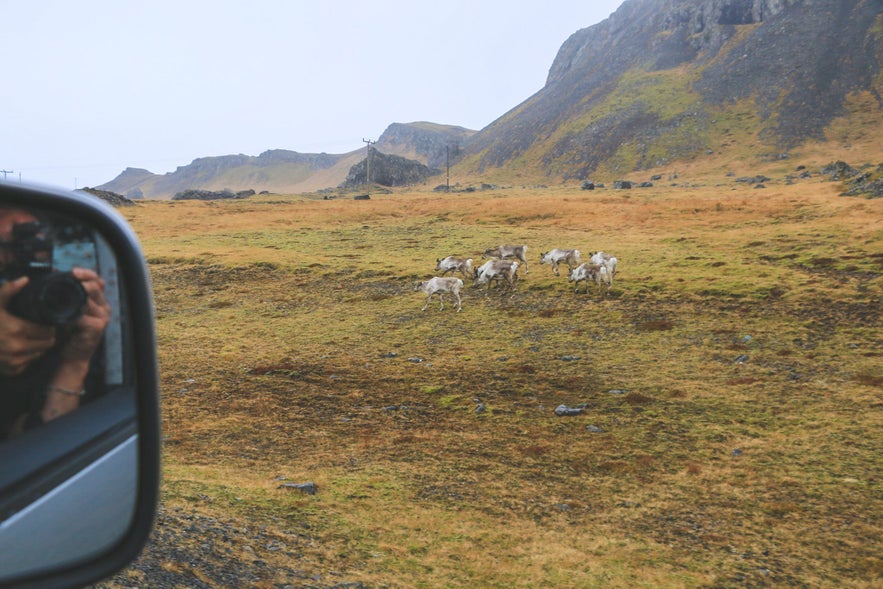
(67, 386)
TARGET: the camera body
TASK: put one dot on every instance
(53, 295)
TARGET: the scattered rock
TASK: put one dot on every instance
(759, 179)
(305, 488)
(565, 411)
(839, 170)
(595, 429)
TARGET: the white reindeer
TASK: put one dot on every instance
(503, 270)
(440, 285)
(558, 255)
(502, 252)
(453, 264)
(607, 260)
(588, 272)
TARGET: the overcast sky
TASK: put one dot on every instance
(95, 86)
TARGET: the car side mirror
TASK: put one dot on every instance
(79, 390)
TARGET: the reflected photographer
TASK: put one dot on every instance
(52, 320)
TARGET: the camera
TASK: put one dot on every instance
(53, 295)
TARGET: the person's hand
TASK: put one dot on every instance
(21, 341)
(77, 350)
(89, 328)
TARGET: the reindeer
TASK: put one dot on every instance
(588, 272)
(557, 255)
(453, 264)
(502, 252)
(606, 259)
(503, 270)
(440, 285)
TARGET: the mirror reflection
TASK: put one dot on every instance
(68, 430)
(55, 313)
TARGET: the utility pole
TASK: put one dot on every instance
(368, 143)
(448, 168)
(4, 172)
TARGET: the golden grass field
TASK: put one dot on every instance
(735, 370)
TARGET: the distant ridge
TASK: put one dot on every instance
(283, 171)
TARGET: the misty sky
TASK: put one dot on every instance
(95, 86)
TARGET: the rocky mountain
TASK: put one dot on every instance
(660, 81)
(663, 80)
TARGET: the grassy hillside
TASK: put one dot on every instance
(731, 385)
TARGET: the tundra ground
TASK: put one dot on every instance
(730, 387)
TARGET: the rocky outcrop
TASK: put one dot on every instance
(866, 182)
(212, 194)
(388, 170)
(114, 199)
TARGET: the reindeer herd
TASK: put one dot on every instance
(502, 265)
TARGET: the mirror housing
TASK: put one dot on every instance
(78, 495)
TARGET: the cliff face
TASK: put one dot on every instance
(657, 34)
(644, 87)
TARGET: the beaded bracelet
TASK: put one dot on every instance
(65, 391)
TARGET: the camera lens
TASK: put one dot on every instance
(56, 298)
